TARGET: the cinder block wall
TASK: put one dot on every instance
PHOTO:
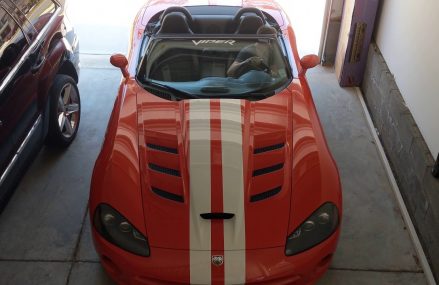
(406, 150)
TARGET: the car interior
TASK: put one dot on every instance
(209, 20)
(184, 65)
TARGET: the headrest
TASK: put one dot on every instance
(175, 23)
(249, 24)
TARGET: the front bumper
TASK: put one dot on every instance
(167, 266)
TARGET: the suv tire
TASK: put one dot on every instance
(64, 112)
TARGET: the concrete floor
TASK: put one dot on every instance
(45, 233)
(375, 246)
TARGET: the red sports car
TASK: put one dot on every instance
(214, 168)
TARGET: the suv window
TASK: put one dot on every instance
(12, 43)
(37, 12)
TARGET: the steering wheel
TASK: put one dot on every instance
(252, 10)
(178, 9)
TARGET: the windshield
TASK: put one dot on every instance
(215, 67)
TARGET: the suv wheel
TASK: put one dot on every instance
(65, 111)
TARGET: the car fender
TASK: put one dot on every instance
(116, 175)
(53, 57)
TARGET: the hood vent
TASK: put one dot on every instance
(159, 93)
(217, 216)
(268, 148)
(167, 195)
(163, 166)
(162, 148)
(267, 170)
(265, 195)
(164, 170)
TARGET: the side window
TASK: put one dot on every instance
(12, 43)
(37, 12)
(282, 46)
(143, 47)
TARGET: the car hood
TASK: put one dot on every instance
(217, 173)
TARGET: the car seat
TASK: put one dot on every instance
(175, 23)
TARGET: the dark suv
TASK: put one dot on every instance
(39, 98)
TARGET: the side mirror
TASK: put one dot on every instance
(120, 61)
(309, 61)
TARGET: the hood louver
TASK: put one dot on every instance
(265, 195)
(268, 148)
(167, 195)
(162, 148)
(268, 171)
(164, 172)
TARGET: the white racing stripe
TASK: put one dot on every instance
(200, 191)
(233, 192)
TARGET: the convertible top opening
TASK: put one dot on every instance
(216, 19)
(248, 60)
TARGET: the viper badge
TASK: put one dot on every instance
(217, 260)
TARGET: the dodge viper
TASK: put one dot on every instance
(214, 168)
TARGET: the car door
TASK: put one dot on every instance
(18, 86)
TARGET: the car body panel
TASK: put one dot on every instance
(269, 266)
(116, 177)
(261, 124)
(206, 152)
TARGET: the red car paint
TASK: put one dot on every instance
(123, 179)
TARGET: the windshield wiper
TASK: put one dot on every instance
(171, 93)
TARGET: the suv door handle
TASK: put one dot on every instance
(40, 62)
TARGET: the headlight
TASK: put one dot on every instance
(317, 228)
(119, 231)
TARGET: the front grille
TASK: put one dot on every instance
(265, 195)
(167, 195)
(164, 170)
(267, 170)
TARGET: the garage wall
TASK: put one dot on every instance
(332, 32)
(408, 39)
(401, 90)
